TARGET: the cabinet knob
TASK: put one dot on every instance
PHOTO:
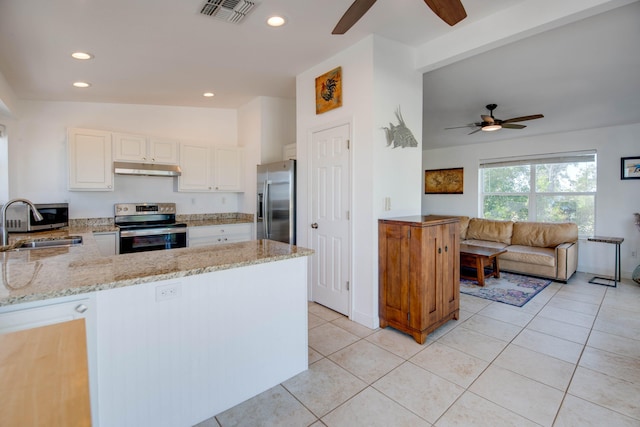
(439, 250)
(81, 308)
(314, 225)
(446, 248)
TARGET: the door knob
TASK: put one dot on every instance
(314, 225)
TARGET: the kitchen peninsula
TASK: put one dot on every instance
(173, 337)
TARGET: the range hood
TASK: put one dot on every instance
(149, 169)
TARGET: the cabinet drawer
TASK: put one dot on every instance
(20, 319)
(219, 230)
(219, 234)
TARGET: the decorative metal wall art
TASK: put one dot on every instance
(399, 135)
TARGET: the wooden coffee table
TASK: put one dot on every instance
(479, 258)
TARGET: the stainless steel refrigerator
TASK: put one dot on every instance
(276, 204)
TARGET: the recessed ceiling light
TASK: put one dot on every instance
(81, 55)
(208, 94)
(81, 84)
(276, 21)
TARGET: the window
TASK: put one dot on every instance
(555, 188)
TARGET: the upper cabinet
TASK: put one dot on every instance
(204, 168)
(207, 168)
(90, 160)
(140, 148)
(195, 162)
(228, 169)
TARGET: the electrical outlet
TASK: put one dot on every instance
(170, 291)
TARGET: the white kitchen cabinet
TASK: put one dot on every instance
(228, 169)
(89, 157)
(141, 148)
(25, 316)
(195, 162)
(107, 242)
(218, 234)
(206, 169)
(30, 315)
(289, 152)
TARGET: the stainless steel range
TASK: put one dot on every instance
(149, 227)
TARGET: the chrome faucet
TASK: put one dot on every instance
(3, 217)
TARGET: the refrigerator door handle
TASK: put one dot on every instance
(266, 211)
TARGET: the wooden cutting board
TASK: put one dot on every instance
(44, 378)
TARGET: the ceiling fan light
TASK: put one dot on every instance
(491, 128)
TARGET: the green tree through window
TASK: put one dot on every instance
(559, 188)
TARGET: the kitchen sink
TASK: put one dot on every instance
(49, 242)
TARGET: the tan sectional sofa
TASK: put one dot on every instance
(535, 248)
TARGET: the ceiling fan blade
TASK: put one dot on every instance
(477, 130)
(450, 11)
(470, 125)
(523, 118)
(487, 119)
(512, 126)
(357, 9)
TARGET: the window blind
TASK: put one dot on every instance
(574, 157)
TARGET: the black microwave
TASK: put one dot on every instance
(20, 219)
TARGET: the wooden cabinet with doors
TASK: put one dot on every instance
(419, 273)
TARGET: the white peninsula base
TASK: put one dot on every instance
(177, 352)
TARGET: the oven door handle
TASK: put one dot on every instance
(153, 231)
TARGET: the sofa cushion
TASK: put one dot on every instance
(543, 235)
(464, 224)
(530, 255)
(485, 243)
(487, 229)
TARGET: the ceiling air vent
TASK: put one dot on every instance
(227, 10)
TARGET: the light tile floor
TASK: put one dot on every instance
(569, 357)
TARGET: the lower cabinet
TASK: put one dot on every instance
(419, 273)
(107, 242)
(33, 315)
(218, 234)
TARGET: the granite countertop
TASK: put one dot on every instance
(39, 274)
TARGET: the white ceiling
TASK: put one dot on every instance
(579, 76)
(163, 52)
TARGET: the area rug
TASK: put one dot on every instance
(510, 288)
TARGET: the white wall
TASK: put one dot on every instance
(377, 76)
(616, 200)
(38, 162)
(7, 98)
(265, 126)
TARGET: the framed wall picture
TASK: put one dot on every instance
(444, 181)
(329, 91)
(630, 167)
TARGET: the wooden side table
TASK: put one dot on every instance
(616, 275)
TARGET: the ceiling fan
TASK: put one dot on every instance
(450, 11)
(490, 123)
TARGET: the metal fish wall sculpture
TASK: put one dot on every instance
(399, 135)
